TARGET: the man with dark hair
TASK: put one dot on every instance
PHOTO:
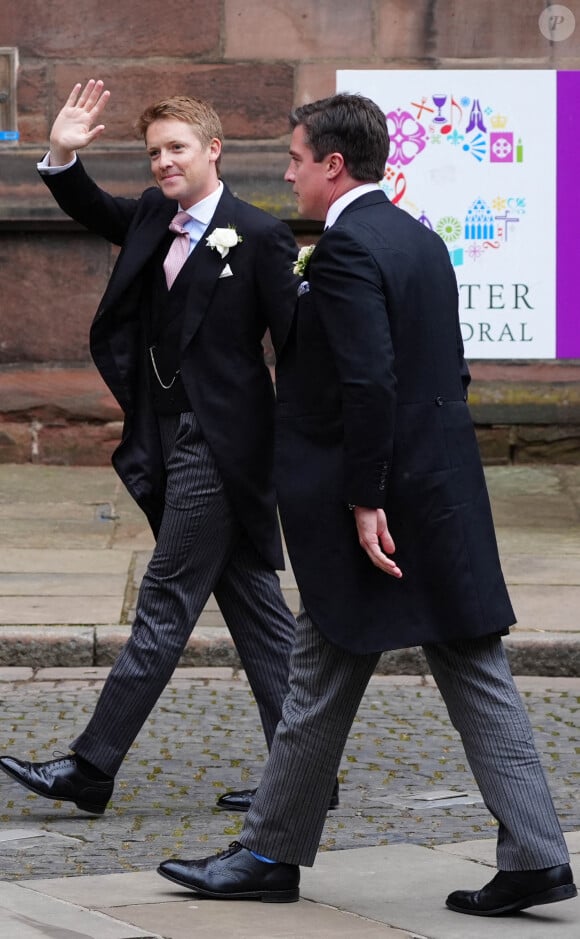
(376, 449)
(200, 277)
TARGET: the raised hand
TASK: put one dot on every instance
(73, 127)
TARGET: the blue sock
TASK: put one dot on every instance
(260, 857)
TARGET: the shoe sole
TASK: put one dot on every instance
(83, 806)
(266, 896)
(239, 808)
(554, 895)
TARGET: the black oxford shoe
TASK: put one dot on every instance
(240, 800)
(511, 891)
(62, 780)
(235, 874)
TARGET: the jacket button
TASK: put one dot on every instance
(439, 401)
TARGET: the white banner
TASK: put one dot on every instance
(474, 157)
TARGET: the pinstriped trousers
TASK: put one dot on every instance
(327, 683)
(200, 549)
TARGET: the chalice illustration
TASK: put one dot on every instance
(439, 100)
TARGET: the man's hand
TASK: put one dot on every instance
(375, 538)
(73, 128)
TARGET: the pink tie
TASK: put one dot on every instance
(179, 250)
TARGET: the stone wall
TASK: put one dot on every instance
(253, 59)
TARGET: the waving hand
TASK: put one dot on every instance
(74, 126)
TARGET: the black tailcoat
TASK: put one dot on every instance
(221, 356)
(372, 411)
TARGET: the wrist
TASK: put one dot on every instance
(59, 157)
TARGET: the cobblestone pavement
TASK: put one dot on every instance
(400, 764)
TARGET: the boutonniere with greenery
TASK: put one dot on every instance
(222, 239)
(302, 260)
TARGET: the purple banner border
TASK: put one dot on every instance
(568, 216)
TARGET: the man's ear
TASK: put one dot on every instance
(334, 165)
(215, 149)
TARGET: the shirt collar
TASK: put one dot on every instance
(341, 203)
(204, 210)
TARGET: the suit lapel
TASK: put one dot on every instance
(142, 244)
(203, 268)
(368, 199)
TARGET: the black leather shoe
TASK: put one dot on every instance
(62, 780)
(235, 874)
(510, 891)
(240, 800)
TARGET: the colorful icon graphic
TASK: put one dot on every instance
(501, 147)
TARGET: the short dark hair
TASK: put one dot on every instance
(349, 124)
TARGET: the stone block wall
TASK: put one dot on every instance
(253, 59)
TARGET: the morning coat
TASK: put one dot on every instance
(372, 411)
(221, 355)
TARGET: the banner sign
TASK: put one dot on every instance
(489, 160)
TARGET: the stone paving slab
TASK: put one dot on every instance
(40, 512)
(543, 542)
(56, 561)
(534, 496)
(148, 901)
(405, 886)
(62, 534)
(28, 915)
(216, 920)
(484, 851)
(546, 607)
(553, 570)
(62, 585)
(56, 609)
(26, 483)
(10, 675)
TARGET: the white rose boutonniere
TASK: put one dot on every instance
(222, 239)
(302, 260)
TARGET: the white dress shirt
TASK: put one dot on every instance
(341, 203)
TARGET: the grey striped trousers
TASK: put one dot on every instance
(326, 686)
(200, 549)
